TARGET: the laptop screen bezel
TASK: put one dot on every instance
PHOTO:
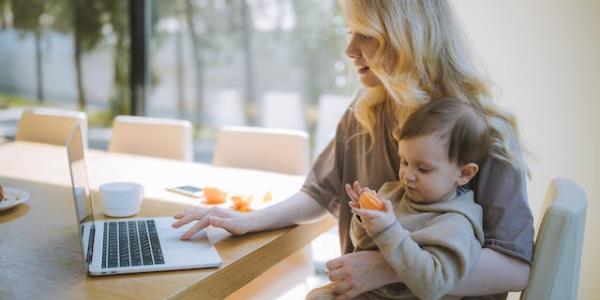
(76, 154)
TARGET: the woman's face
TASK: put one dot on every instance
(361, 49)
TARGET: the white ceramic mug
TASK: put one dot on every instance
(121, 199)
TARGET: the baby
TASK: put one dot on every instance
(429, 228)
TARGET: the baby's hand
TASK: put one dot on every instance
(375, 221)
(354, 192)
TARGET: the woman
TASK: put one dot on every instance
(406, 53)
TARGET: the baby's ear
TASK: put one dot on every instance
(467, 172)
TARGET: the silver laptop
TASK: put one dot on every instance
(118, 246)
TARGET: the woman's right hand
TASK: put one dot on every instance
(230, 220)
(355, 273)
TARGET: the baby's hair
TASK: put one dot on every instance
(463, 127)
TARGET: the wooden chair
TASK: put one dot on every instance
(50, 126)
(276, 150)
(165, 138)
(268, 149)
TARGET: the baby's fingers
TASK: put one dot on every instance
(366, 213)
(351, 193)
(357, 188)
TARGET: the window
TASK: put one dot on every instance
(213, 62)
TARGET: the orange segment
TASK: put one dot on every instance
(245, 209)
(241, 203)
(368, 200)
(214, 195)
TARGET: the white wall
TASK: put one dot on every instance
(545, 57)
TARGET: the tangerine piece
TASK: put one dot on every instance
(368, 200)
(214, 195)
(240, 201)
(245, 209)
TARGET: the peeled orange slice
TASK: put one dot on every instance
(214, 195)
(240, 202)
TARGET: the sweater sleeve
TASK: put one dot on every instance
(448, 249)
(359, 236)
(324, 180)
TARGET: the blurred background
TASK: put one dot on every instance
(213, 62)
(280, 63)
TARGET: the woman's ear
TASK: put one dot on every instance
(467, 172)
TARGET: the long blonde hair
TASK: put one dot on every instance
(430, 60)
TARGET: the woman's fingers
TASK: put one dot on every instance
(184, 219)
(335, 274)
(189, 217)
(341, 287)
(183, 213)
(216, 216)
(201, 224)
(335, 263)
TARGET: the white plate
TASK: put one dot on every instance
(13, 197)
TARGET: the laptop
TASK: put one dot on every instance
(125, 245)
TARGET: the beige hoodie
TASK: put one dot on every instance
(431, 246)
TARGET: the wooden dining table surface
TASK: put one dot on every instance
(40, 253)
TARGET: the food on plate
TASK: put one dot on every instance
(214, 195)
(267, 197)
(368, 200)
(1, 193)
(242, 202)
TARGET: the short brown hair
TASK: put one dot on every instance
(462, 126)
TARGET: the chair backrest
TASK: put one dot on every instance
(331, 110)
(165, 138)
(282, 110)
(268, 149)
(50, 126)
(557, 255)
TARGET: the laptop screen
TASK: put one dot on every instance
(81, 192)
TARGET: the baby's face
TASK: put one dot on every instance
(425, 170)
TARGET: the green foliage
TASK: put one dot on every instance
(27, 14)
(15, 101)
(318, 43)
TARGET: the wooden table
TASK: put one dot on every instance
(40, 256)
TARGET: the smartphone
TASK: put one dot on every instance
(188, 190)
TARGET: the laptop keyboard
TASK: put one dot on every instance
(131, 243)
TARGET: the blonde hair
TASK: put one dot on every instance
(430, 60)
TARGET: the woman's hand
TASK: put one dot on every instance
(355, 273)
(230, 220)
